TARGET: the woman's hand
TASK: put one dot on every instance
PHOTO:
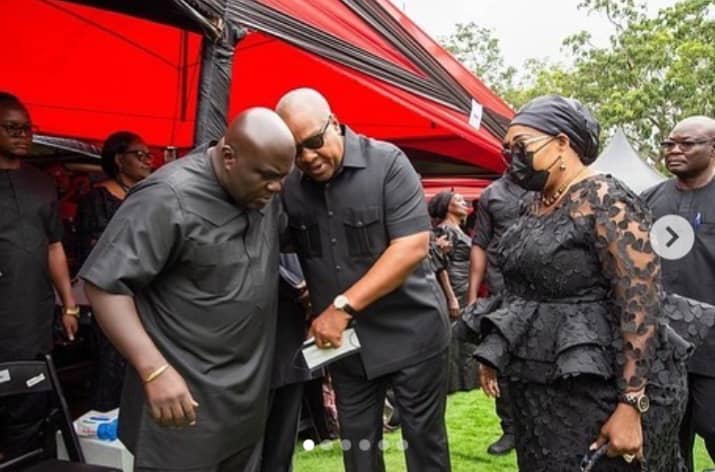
(623, 432)
(488, 381)
(454, 308)
(444, 244)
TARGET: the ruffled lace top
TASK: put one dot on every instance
(583, 295)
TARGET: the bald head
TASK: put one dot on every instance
(254, 157)
(260, 130)
(697, 125)
(303, 103)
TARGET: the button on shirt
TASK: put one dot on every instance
(204, 276)
(499, 207)
(29, 222)
(692, 276)
(341, 228)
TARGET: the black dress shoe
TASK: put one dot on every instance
(502, 446)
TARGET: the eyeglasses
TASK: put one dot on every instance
(684, 145)
(16, 130)
(139, 154)
(314, 142)
(518, 148)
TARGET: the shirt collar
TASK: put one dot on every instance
(352, 155)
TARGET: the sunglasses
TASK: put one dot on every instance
(16, 130)
(314, 142)
(139, 154)
(517, 150)
(684, 145)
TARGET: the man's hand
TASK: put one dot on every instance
(70, 325)
(170, 401)
(327, 329)
(623, 432)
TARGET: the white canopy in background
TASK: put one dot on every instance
(621, 161)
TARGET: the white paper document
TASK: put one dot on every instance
(316, 357)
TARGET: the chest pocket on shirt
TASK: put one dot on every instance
(363, 231)
(221, 269)
(306, 235)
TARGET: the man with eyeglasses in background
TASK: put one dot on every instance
(359, 221)
(32, 260)
(690, 155)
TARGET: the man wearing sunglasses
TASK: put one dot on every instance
(690, 155)
(360, 226)
(32, 261)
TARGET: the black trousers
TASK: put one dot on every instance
(21, 421)
(699, 417)
(420, 394)
(276, 452)
(503, 407)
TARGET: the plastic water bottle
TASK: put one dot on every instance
(98, 427)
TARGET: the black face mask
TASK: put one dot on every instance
(522, 169)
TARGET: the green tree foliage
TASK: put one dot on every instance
(478, 49)
(655, 71)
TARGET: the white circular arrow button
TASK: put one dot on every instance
(672, 237)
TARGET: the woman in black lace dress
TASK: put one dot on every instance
(125, 161)
(583, 331)
(448, 210)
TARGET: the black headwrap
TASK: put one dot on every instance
(554, 114)
(439, 205)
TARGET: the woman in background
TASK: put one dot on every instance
(448, 210)
(126, 160)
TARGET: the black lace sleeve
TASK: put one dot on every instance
(622, 226)
(94, 210)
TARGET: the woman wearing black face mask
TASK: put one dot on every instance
(582, 332)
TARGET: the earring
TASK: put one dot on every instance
(562, 166)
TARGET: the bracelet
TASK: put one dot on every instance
(74, 311)
(156, 373)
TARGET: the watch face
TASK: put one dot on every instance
(340, 302)
(643, 404)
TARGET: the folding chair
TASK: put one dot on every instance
(28, 377)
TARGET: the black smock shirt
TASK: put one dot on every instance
(692, 276)
(499, 207)
(29, 222)
(204, 276)
(341, 228)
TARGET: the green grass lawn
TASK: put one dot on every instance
(472, 426)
